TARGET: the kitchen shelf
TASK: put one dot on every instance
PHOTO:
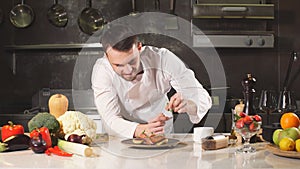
(15, 48)
(55, 46)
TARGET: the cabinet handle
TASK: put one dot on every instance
(234, 9)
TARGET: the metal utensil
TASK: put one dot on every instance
(286, 101)
(22, 15)
(293, 58)
(57, 15)
(133, 5)
(90, 19)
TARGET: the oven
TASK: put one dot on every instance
(233, 23)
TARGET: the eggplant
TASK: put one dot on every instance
(15, 143)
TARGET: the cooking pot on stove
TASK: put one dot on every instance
(21, 16)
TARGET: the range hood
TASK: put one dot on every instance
(233, 24)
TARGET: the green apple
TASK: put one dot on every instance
(292, 133)
(275, 137)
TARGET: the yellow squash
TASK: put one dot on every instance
(58, 104)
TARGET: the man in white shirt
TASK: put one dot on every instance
(131, 83)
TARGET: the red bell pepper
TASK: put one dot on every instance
(44, 131)
(11, 130)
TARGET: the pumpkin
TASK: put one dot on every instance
(58, 104)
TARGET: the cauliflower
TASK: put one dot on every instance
(75, 122)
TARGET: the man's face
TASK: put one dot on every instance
(126, 64)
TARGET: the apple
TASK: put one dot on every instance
(275, 137)
(292, 133)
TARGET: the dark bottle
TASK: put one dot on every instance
(249, 91)
(248, 85)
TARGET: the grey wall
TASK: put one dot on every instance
(37, 69)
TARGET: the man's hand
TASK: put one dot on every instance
(154, 126)
(179, 104)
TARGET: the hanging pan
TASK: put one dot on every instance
(57, 15)
(21, 16)
(90, 19)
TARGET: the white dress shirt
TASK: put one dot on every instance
(124, 104)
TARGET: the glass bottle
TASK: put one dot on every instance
(248, 92)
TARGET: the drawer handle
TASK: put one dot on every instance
(234, 9)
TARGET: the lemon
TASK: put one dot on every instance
(297, 142)
(287, 144)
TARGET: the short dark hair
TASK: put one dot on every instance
(119, 37)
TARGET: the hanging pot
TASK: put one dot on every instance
(57, 15)
(90, 19)
(21, 16)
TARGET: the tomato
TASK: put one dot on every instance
(11, 130)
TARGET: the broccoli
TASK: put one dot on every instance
(44, 119)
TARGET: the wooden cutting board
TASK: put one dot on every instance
(275, 150)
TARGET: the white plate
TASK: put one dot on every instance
(171, 143)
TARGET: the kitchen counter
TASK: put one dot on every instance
(187, 154)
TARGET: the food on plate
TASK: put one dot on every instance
(11, 129)
(14, 143)
(75, 122)
(137, 140)
(152, 139)
(44, 119)
(58, 104)
(288, 120)
(287, 138)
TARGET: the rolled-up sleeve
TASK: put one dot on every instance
(183, 80)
